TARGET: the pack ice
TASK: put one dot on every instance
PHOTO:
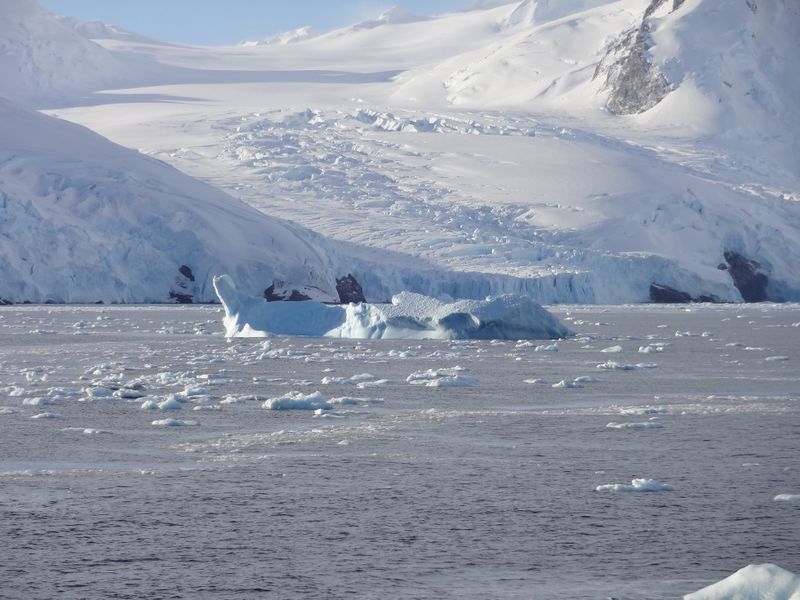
(409, 316)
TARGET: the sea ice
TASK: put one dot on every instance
(612, 349)
(297, 401)
(791, 498)
(647, 425)
(172, 423)
(637, 485)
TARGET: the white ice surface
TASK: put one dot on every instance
(409, 316)
(474, 143)
(753, 582)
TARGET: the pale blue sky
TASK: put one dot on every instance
(232, 21)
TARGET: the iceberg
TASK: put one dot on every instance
(753, 582)
(408, 316)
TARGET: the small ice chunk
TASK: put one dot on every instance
(791, 498)
(637, 485)
(173, 423)
(368, 384)
(99, 392)
(647, 425)
(297, 401)
(46, 415)
(776, 358)
(612, 349)
(129, 394)
(611, 365)
(362, 377)
(564, 384)
(644, 410)
(453, 381)
(40, 401)
(546, 348)
(171, 402)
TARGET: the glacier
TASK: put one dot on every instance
(462, 155)
(409, 316)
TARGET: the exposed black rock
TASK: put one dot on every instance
(663, 294)
(186, 272)
(181, 298)
(349, 290)
(4, 302)
(282, 295)
(636, 84)
(748, 277)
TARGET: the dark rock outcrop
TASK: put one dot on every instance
(184, 288)
(635, 83)
(181, 298)
(349, 290)
(748, 276)
(663, 294)
(186, 272)
(274, 294)
(4, 302)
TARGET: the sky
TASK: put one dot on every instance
(217, 22)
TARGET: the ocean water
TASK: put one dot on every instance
(404, 491)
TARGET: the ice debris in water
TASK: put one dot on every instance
(409, 316)
(647, 425)
(637, 485)
(442, 378)
(298, 401)
(791, 498)
(173, 423)
(612, 349)
(753, 582)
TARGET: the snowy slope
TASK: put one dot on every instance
(480, 145)
(84, 220)
(42, 57)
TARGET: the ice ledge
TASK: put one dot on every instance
(409, 316)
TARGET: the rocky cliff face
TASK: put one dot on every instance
(635, 83)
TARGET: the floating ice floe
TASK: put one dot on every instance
(753, 582)
(791, 498)
(564, 384)
(647, 425)
(612, 365)
(612, 349)
(173, 423)
(644, 410)
(298, 401)
(46, 415)
(442, 378)
(409, 316)
(637, 485)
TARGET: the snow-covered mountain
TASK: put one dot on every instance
(84, 220)
(574, 150)
(286, 37)
(43, 58)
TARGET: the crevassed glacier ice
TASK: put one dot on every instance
(409, 316)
